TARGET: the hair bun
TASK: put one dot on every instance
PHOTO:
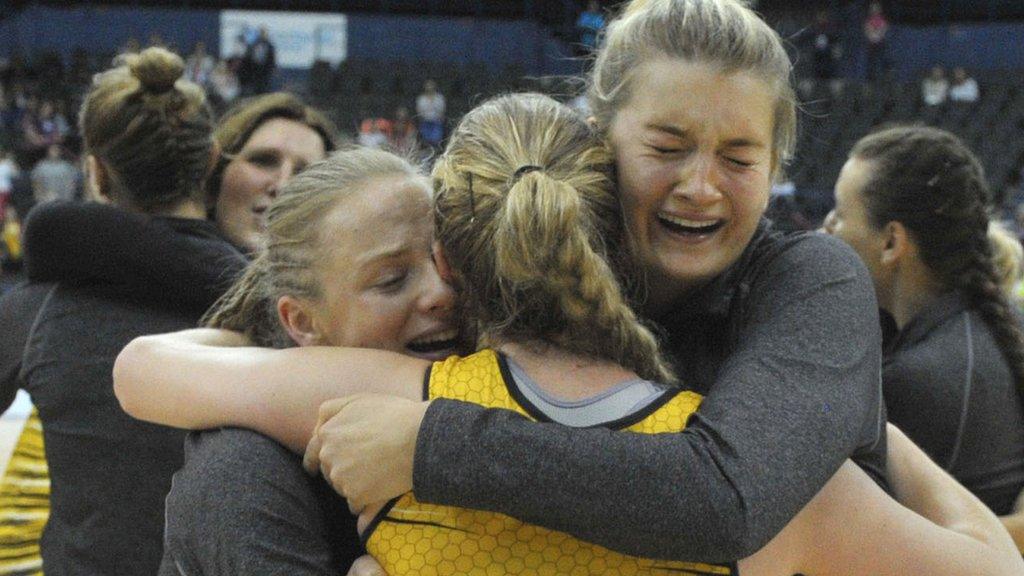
(157, 69)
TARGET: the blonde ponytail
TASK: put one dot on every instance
(526, 212)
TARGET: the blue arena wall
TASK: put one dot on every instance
(385, 38)
(973, 46)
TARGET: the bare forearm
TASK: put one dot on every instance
(203, 379)
(920, 485)
(1014, 524)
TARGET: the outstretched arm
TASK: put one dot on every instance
(206, 378)
(853, 527)
(1014, 522)
(67, 241)
(798, 395)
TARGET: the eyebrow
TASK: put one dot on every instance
(682, 134)
(385, 253)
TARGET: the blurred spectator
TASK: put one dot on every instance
(374, 132)
(10, 240)
(237, 55)
(40, 129)
(403, 131)
(10, 122)
(131, 46)
(823, 40)
(11, 117)
(430, 107)
(54, 178)
(258, 64)
(199, 65)
(61, 119)
(589, 25)
(935, 87)
(8, 172)
(155, 39)
(876, 32)
(224, 84)
(10, 248)
(964, 89)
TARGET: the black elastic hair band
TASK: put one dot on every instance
(523, 170)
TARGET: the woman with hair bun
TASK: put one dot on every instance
(914, 203)
(148, 143)
(263, 142)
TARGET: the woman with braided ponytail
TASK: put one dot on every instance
(527, 220)
(914, 203)
(148, 147)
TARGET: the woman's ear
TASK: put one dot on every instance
(215, 152)
(444, 270)
(297, 319)
(97, 179)
(898, 243)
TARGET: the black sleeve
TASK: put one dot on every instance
(78, 242)
(789, 405)
(18, 309)
(242, 504)
(925, 405)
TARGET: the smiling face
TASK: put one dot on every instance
(274, 152)
(381, 288)
(693, 148)
(850, 222)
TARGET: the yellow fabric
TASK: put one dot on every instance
(426, 539)
(12, 238)
(24, 502)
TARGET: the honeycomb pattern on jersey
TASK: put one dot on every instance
(425, 539)
(24, 503)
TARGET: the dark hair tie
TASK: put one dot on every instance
(523, 170)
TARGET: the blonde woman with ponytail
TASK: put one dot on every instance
(526, 219)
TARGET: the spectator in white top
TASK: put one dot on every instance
(199, 65)
(964, 88)
(224, 84)
(935, 87)
(8, 172)
(54, 178)
(430, 108)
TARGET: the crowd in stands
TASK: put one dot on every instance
(570, 266)
(39, 99)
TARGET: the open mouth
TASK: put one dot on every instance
(690, 227)
(439, 344)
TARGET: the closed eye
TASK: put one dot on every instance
(741, 163)
(392, 283)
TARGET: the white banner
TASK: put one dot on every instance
(299, 38)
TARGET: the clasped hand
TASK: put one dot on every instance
(364, 446)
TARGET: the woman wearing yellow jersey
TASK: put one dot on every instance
(528, 225)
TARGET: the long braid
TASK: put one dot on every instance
(979, 283)
(549, 256)
(929, 181)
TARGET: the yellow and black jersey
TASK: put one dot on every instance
(24, 503)
(411, 537)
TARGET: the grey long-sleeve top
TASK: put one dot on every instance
(786, 346)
